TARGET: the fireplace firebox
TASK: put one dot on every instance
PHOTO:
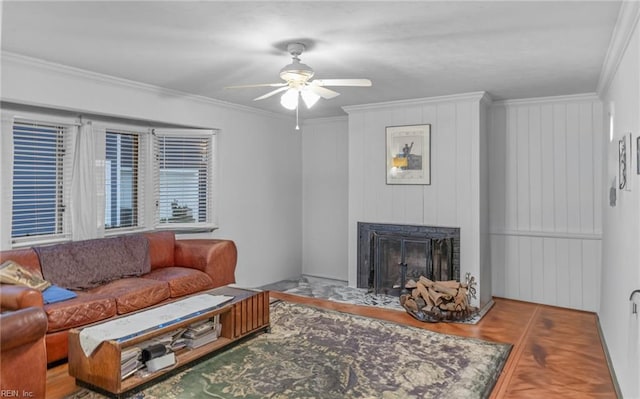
(390, 254)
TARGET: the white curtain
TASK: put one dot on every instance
(87, 184)
(6, 177)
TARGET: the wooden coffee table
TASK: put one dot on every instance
(245, 314)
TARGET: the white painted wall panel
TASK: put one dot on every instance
(535, 169)
(445, 159)
(560, 167)
(549, 270)
(574, 138)
(547, 168)
(324, 197)
(429, 196)
(537, 269)
(522, 182)
(545, 187)
(563, 274)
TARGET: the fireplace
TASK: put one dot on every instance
(390, 254)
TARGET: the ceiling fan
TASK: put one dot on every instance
(297, 83)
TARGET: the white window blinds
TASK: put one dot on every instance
(184, 178)
(124, 166)
(41, 177)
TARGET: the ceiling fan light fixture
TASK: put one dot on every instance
(289, 99)
(309, 98)
(296, 72)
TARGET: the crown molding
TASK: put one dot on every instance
(626, 24)
(550, 99)
(479, 96)
(26, 61)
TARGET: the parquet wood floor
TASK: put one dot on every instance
(557, 353)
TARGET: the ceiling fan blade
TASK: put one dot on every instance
(323, 92)
(342, 82)
(257, 85)
(271, 93)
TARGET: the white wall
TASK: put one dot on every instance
(545, 199)
(325, 175)
(621, 224)
(454, 197)
(259, 165)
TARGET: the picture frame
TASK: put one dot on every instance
(638, 155)
(622, 162)
(408, 154)
(629, 164)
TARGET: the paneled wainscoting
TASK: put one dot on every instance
(545, 163)
(561, 270)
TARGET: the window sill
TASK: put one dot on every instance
(187, 230)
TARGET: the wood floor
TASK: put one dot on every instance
(557, 353)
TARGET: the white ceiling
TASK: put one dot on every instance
(511, 49)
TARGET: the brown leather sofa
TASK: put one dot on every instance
(23, 354)
(178, 268)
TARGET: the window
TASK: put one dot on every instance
(38, 181)
(122, 171)
(184, 178)
(71, 178)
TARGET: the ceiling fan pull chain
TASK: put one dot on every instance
(297, 127)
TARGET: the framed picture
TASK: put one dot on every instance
(408, 154)
(638, 155)
(622, 162)
(629, 161)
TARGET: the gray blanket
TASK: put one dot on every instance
(86, 264)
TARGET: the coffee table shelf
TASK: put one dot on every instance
(246, 314)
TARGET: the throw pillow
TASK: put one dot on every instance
(55, 294)
(12, 273)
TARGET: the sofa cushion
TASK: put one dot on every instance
(182, 280)
(161, 248)
(84, 309)
(134, 293)
(86, 264)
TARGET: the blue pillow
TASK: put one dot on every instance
(55, 294)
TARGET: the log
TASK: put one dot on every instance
(450, 306)
(425, 281)
(435, 296)
(445, 290)
(449, 284)
(410, 284)
(422, 290)
(430, 301)
(410, 304)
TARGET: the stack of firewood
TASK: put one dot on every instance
(442, 300)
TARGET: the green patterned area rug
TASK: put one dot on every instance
(317, 353)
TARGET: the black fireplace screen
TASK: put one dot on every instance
(388, 255)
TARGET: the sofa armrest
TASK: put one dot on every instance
(24, 352)
(217, 258)
(13, 297)
(22, 327)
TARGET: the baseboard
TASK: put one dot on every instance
(607, 356)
